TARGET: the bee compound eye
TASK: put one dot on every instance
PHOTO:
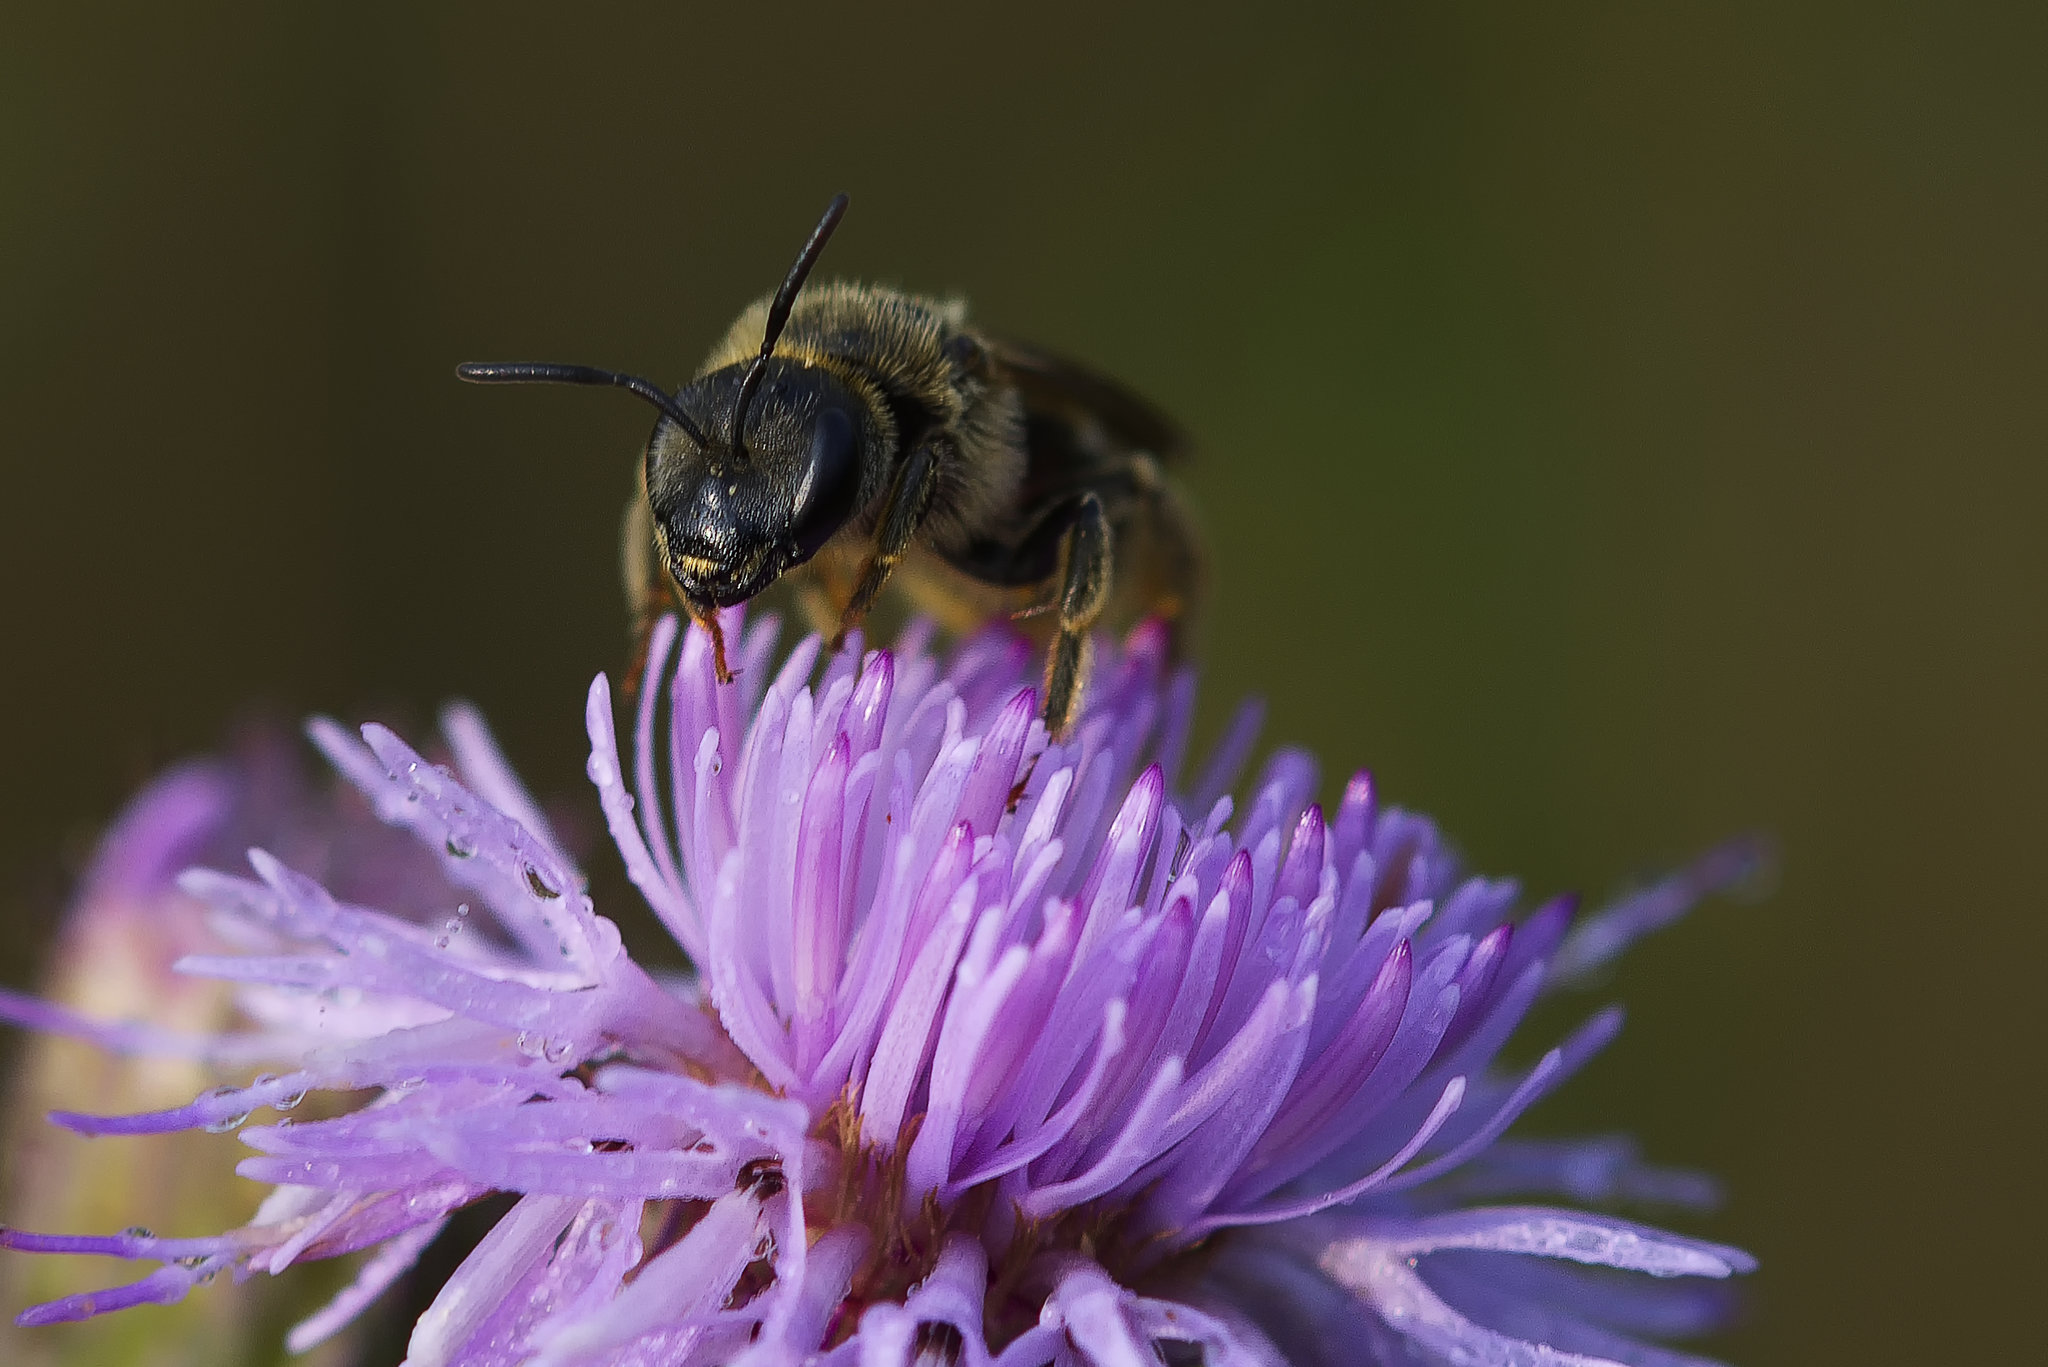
(830, 482)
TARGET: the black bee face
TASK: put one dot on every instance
(730, 522)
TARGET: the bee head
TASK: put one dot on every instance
(732, 516)
(752, 468)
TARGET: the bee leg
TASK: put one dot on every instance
(910, 498)
(645, 614)
(650, 593)
(1083, 578)
(707, 618)
(660, 600)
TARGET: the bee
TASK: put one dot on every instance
(847, 435)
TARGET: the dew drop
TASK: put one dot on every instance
(190, 1260)
(287, 1102)
(539, 885)
(138, 1232)
(441, 942)
(226, 1123)
(462, 909)
(460, 845)
(554, 1051)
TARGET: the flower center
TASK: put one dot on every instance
(865, 1187)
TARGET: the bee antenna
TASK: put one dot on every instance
(778, 315)
(492, 372)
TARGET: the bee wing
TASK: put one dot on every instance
(1058, 387)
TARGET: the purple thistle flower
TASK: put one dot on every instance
(1000, 1051)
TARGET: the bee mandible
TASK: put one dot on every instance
(850, 434)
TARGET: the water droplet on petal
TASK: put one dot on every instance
(460, 845)
(138, 1232)
(539, 885)
(226, 1123)
(287, 1102)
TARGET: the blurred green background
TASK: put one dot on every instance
(1622, 426)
